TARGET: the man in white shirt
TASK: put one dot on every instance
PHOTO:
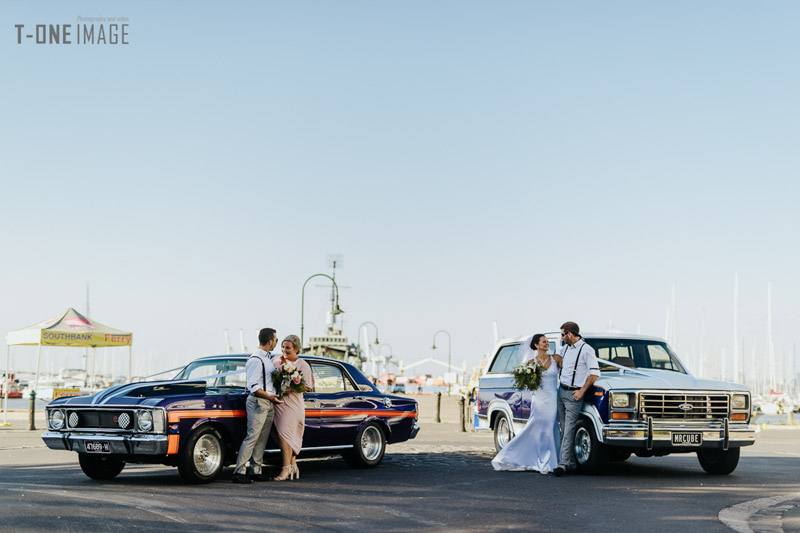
(579, 370)
(260, 411)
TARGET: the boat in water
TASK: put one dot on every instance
(334, 343)
(13, 386)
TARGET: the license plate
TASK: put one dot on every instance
(97, 446)
(687, 439)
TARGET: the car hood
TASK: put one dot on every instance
(143, 392)
(652, 379)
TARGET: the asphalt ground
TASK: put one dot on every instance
(440, 481)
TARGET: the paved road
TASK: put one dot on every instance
(440, 481)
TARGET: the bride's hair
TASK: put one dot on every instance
(535, 340)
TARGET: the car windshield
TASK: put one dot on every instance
(635, 354)
(212, 367)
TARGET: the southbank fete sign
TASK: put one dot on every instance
(59, 338)
(65, 392)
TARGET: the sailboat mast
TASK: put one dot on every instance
(736, 328)
(756, 364)
(703, 355)
(770, 345)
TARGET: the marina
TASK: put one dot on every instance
(400, 266)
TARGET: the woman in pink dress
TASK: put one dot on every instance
(290, 416)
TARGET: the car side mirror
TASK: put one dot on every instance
(364, 388)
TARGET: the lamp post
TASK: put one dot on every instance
(336, 309)
(359, 335)
(449, 346)
(386, 360)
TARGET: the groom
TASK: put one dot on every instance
(579, 369)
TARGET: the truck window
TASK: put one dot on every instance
(506, 360)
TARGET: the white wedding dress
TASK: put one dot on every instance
(537, 446)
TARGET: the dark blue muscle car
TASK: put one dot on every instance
(197, 421)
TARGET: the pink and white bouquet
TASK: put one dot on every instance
(288, 378)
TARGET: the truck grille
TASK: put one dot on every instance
(683, 406)
(100, 419)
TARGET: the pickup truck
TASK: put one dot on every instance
(645, 403)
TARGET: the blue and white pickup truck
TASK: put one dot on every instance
(645, 403)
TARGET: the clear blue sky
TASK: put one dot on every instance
(530, 162)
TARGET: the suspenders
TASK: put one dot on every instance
(264, 372)
(578, 358)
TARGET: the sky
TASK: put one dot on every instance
(526, 162)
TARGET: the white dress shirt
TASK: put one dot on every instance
(587, 364)
(255, 372)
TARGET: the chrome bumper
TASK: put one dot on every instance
(119, 444)
(659, 435)
(414, 431)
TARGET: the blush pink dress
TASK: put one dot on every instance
(290, 416)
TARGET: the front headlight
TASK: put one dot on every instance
(739, 401)
(144, 419)
(619, 399)
(56, 419)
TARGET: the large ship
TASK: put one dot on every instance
(334, 343)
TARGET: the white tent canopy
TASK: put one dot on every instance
(69, 329)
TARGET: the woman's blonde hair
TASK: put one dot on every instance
(295, 340)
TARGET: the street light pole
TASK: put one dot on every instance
(449, 359)
(386, 360)
(359, 335)
(336, 310)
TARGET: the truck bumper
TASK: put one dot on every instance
(118, 444)
(659, 435)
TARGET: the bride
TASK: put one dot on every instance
(536, 447)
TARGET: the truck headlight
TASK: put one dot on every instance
(739, 401)
(144, 419)
(56, 419)
(619, 399)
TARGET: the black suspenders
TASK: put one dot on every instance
(264, 373)
(575, 370)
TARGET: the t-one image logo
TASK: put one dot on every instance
(87, 31)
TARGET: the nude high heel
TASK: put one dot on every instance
(295, 471)
(286, 473)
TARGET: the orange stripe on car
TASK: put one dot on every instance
(172, 444)
(175, 416)
(358, 412)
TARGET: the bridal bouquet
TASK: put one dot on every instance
(287, 378)
(527, 376)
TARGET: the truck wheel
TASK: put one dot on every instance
(618, 456)
(200, 460)
(590, 454)
(719, 462)
(503, 432)
(368, 449)
(100, 467)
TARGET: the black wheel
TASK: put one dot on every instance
(503, 432)
(100, 467)
(590, 454)
(719, 462)
(200, 459)
(618, 456)
(369, 447)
